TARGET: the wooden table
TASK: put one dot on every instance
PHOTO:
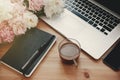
(51, 68)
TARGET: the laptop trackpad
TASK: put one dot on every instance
(66, 23)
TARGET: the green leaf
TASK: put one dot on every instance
(39, 13)
(26, 3)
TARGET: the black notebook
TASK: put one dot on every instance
(28, 50)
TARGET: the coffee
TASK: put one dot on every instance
(69, 51)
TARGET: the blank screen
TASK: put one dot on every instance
(113, 5)
(113, 58)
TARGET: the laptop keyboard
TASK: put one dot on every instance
(94, 15)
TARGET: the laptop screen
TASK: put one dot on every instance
(113, 5)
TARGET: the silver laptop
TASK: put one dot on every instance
(94, 23)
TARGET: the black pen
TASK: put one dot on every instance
(35, 56)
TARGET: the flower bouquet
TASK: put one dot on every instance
(45, 7)
(17, 16)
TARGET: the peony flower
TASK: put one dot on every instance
(47, 7)
(53, 7)
(19, 8)
(35, 5)
(30, 19)
(6, 32)
(18, 25)
(5, 10)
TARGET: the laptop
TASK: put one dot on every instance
(94, 23)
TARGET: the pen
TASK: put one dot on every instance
(36, 52)
(35, 56)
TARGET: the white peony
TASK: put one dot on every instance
(17, 25)
(53, 7)
(6, 8)
(30, 19)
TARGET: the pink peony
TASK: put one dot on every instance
(6, 32)
(35, 5)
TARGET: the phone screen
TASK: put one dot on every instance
(113, 58)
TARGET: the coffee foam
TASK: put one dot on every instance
(69, 51)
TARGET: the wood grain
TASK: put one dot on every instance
(51, 68)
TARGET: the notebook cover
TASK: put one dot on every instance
(23, 48)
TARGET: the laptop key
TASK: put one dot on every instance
(89, 17)
(95, 25)
(91, 22)
(102, 30)
(111, 26)
(93, 19)
(81, 16)
(107, 28)
(105, 33)
(115, 24)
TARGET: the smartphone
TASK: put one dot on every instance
(113, 58)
